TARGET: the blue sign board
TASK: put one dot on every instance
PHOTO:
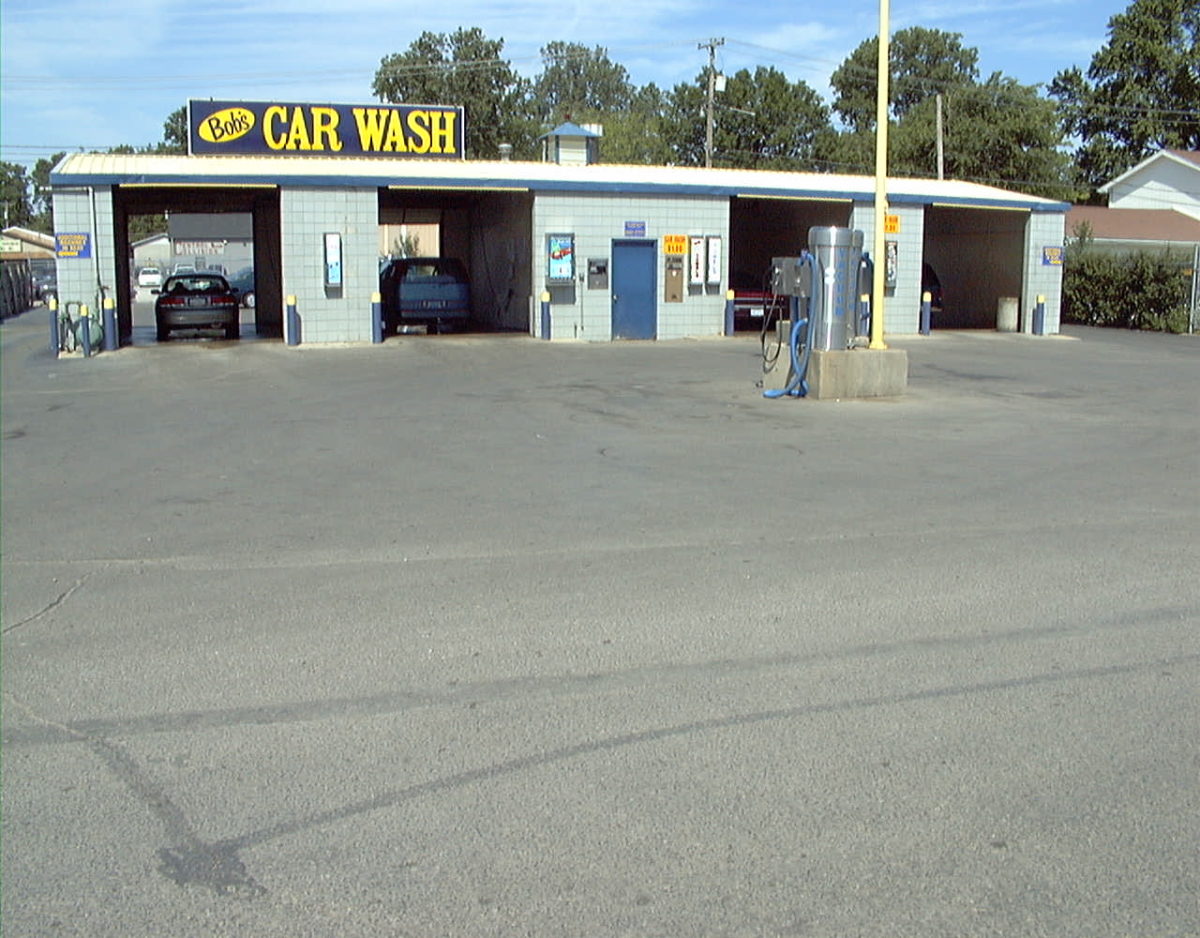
(1052, 256)
(73, 244)
(635, 229)
(262, 128)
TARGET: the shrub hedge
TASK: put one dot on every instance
(1142, 290)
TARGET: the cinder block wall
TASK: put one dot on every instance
(79, 278)
(306, 215)
(902, 305)
(598, 220)
(1043, 230)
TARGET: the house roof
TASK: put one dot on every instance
(1187, 158)
(150, 239)
(36, 238)
(1192, 156)
(1134, 224)
(147, 170)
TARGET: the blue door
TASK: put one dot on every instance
(634, 312)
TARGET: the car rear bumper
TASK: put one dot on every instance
(198, 318)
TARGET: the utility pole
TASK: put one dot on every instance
(711, 46)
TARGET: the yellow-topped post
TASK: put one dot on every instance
(881, 144)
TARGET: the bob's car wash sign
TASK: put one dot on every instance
(260, 128)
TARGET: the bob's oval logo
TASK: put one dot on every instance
(226, 125)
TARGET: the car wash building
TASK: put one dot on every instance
(567, 249)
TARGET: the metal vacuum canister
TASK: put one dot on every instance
(839, 251)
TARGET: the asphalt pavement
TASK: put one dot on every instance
(486, 636)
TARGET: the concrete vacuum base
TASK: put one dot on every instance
(858, 372)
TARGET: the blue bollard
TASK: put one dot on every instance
(293, 322)
(376, 318)
(110, 325)
(926, 311)
(729, 330)
(545, 317)
(1039, 316)
(54, 340)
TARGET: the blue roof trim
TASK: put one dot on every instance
(542, 185)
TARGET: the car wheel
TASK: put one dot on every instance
(248, 300)
(233, 331)
(163, 333)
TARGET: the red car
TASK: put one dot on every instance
(752, 307)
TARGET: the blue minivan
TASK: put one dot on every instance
(426, 291)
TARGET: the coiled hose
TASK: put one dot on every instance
(797, 386)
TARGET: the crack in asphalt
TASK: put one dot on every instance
(49, 607)
(189, 860)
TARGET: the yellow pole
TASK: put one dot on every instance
(881, 142)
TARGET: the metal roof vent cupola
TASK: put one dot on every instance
(570, 144)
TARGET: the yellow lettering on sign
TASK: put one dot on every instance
(443, 131)
(891, 224)
(675, 245)
(325, 125)
(369, 121)
(418, 127)
(395, 142)
(298, 138)
(387, 130)
(271, 116)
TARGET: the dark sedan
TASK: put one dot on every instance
(197, 301)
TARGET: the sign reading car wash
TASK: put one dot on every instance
(260, 128)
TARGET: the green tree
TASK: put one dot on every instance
(463, 68)
(684, 122)
(175, 133)
(637, 135)
(581, 82)
(14, 195)
(585, 86)
(922, 62)
(760, 121)
(999, 132)
(1141, 92)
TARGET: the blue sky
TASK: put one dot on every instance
(86, 74)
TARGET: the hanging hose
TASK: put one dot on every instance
(768, 339)
(769, 342)
(797, 386)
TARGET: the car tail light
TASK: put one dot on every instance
(173, 301)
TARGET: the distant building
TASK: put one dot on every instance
(222, 240)
(1134, 229)
(1153, 205)
(1170, 179)
(154, 251)
(22, 244)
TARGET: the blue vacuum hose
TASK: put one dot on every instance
(797, 386)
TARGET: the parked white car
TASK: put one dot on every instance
(150, 277)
